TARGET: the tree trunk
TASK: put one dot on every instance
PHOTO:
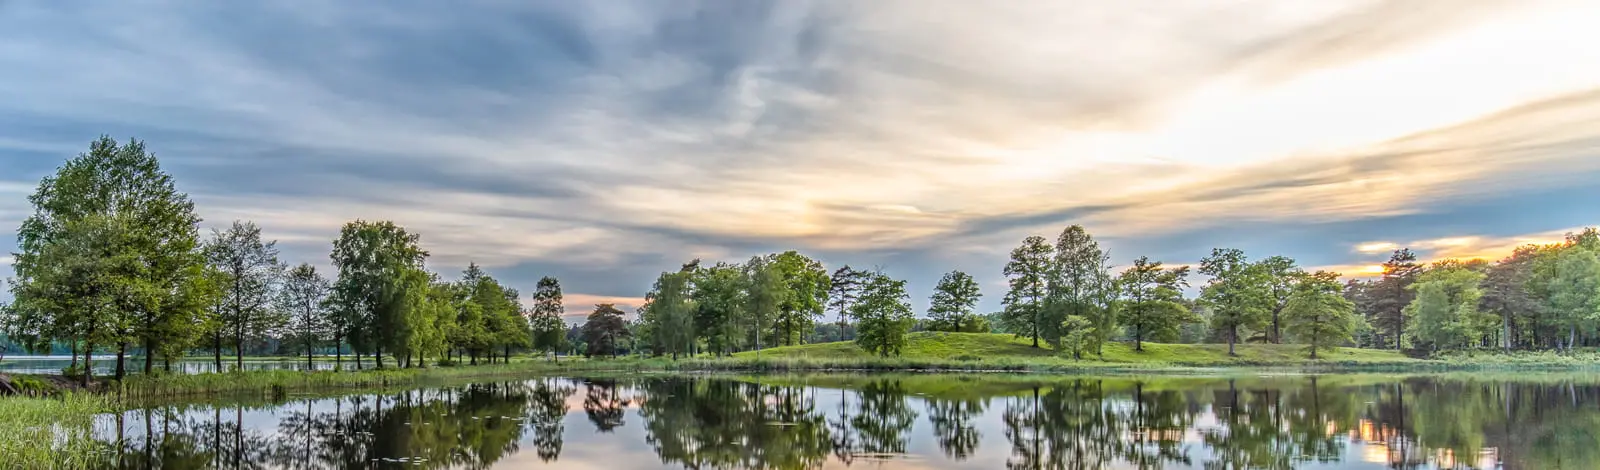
(216, 340)
(377, 358)
(1277, 334)
(149, 356)
(474, 355)
(338, 352)
(122, 353)
(508, 354)
(88, 360)
(238, 351)
(1233, 337)
(357, 354)
(1313, 348)
(309, 351)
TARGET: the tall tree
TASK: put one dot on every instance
(604, 331)
(952, 304)
(805, 293)
(1574, 291)
(1505, 293)
(1238, 293)
(765, 292)
(372, 259)
(883, 315)
(252, 274)
(139, 220)
(549, 330)
(1152, 298)
(305, 294)
(1028, 274)
(1081, 285)
(1317, 313)
(843, 290)
(719, 299)
(669, 312)
(1444, 314)
(1391, 294)
(1282, 276)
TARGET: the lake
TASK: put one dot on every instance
(922, 421)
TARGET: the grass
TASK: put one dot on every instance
(49, 432)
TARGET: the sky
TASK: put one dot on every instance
(605, 142)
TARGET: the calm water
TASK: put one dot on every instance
(105, 365)
(910, 421)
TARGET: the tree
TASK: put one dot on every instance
(372, 289)
(1444, 313)
(139, 249)
(719, 297)
(252, 272)
(883, 315)
(549, 330)
(1505, 293)
(1081, 284)
(1152, 300)
(950, 308)
(1237, 294)
(765, 292)
(305, 293)
(843, 290)
(1318, 314)
(669, 312)
(1282, 276)
(1574, 290)
(1390, 295)
(604, 330)
(1077, 336)
(804, 294)
(1028, 275)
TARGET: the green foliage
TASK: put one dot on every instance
(950, 308)
(721, 317)
(1152, 301)
(1078, 336)
(604, 331)
(1574, 289)
(669, 312)
(1444, 314)
(549, 330)
(801, 298)
(843, 290)
(883, 315)
(1238, 294)
(1317, 313)
(1028, 276)
(305, 296)
(1081, 285)
(765, 293)
(250, 276)
(1282, 277)
(373, 289)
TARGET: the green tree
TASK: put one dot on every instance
(1238, 293)
(669, 311)
(373, 259)
(1390, 294)
(1574, 290)
(804, 294)
(1078, 336)
(843, 290)
(604, 331)
(719, 299)
(549, 330)
(765, 293)
(1506, 293)
(1081, 284)
(140, 250)
(304, 295)
(950, 308)
(252, 274)
(883, 315)
(1028, 275)
(1282, 277)
(1152, 301)
(1318, 314)
(1444, 313)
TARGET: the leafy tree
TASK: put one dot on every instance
(1390, 294)
(765, 292)
(131, 266)
(549, 330)
(1318, 315)
(883, 315)
(1078, 336)
(719, 299)
(843, 290)
(669, 311)
(1505, 293)
(953, 300)
(804, 294)
(1282, 276)
(305, 293)
(1081, 284)
(604, 330)
(1238, 293)
(372, 259)
(1152, 300)
(1574, 290)
(1028, 275)
(252, 273)
(1445, 313)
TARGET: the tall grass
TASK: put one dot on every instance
(49, 432)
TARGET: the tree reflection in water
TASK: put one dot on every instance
(783, 423)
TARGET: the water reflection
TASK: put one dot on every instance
(917, 421)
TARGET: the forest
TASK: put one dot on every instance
(112, 260)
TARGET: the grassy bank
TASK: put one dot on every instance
(48, 432)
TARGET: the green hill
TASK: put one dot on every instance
(1009, 351)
